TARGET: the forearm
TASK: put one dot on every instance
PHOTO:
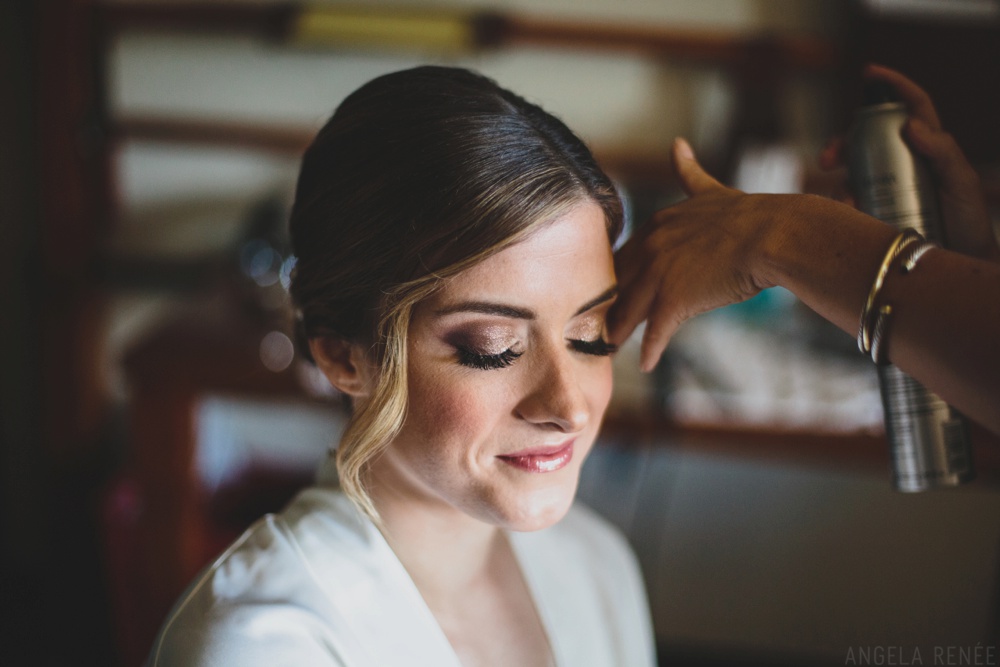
(945, 330)
(824, 252)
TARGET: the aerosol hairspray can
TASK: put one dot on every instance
(928, 440)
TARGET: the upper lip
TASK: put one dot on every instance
(544, 450)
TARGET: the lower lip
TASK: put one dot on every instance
(541, 462)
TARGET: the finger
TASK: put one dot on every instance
(693, 178)
(966, 216)
(632, 306)
(942, 150)
(629, 261)
(660, 328)
(832, 155)
(620, 327)
(919, 102)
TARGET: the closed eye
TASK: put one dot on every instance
(598, 347)
(486, 362)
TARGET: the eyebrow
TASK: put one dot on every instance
(604, 296)
(514, 312)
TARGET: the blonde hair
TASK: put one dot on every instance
(419, 175)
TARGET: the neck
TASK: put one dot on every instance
(443, 549)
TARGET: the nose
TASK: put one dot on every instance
(556, 399)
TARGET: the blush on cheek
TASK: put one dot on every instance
(451, 411)
(444, 411)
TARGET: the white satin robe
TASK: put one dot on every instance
(317, 585)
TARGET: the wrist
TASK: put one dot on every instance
(778, 243)
(824, 252)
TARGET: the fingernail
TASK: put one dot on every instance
(684, 148)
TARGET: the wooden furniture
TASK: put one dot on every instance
(162, 523)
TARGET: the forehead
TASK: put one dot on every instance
(567, 260)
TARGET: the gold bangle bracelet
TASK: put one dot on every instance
(880, 332)
(899, 244)
(884, 313)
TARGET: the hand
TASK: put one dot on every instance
(963, 207)
(690, 258)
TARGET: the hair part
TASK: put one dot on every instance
(419, 175)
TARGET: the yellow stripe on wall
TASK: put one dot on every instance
(335, 27)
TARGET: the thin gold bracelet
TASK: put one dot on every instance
(899, 244)
(883, 316)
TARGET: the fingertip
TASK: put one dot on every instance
(691, 175)
(830, 155)
(682, 149)
(651, 352)
(646, 365)
(650, 360)
(872, 70)
(879, 71)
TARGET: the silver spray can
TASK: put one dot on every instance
(928, 440)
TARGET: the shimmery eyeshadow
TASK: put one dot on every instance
(590, 328)
(482, 340)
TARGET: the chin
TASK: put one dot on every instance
(540, 510)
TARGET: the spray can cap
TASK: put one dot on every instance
(879, 92)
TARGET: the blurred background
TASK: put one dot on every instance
(152, 404)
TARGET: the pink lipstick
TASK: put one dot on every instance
(541, 459)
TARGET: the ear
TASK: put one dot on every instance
(344, 365)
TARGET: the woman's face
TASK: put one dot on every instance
(509, 377)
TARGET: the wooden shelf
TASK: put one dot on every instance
(482, 30)
(860, 452)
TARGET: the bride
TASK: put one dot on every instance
(454, 275)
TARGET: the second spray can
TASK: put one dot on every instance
(928, 440)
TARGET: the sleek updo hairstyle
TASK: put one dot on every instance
(418, 175)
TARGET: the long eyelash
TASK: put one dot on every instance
(598, 348)
(487, 362)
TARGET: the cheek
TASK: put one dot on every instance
(449, 411)
(599, 386)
